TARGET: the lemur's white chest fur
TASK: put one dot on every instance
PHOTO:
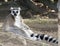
(17, 21)
(15, 12)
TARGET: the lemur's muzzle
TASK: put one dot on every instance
(15, 14)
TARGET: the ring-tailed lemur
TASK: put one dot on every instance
(21, 28)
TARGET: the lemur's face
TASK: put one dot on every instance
(15, 11)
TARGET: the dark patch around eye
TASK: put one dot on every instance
(13, 12)
(16, 11)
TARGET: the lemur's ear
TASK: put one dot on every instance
(11, 8)
(19, 8)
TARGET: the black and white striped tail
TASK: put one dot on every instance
(45, 37)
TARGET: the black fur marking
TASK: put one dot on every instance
(57, 42)
(46, 38)
(50, 39)
(42, 36)
(37, 36)
(32, 35)
(54, 41)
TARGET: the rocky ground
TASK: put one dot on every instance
(10, 39)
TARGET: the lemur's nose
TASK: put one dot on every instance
(15, 14)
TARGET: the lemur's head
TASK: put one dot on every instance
(15, 11)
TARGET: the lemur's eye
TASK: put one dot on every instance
(16, 11)
(13, 11)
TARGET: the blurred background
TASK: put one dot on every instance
(31, 8)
